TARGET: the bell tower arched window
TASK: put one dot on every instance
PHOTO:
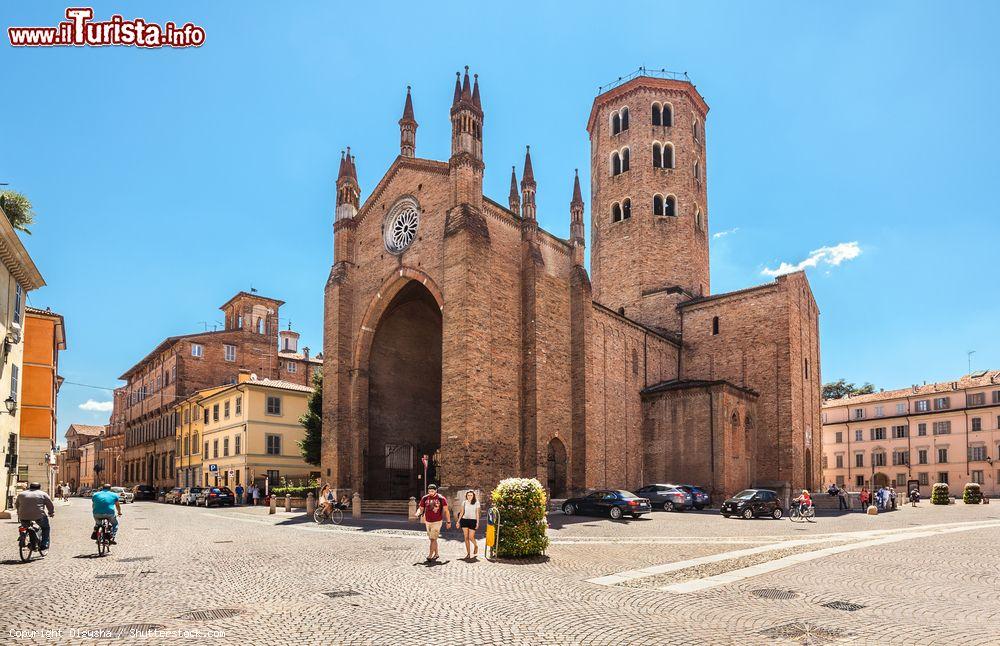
(657, 205)
(616, 164)
(657, 114)
(626, 208)
(667, 117)
(657, 155)
(624, 119)
(616, 123)
(624, 159)
(715, 325)
(670, 206)
(616, 212)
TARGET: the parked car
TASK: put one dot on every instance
(173, 496)
(190, 495)
(753, 502)
(143, 492)
(124, 495)
(700, 496)
(669, 497)
(85, 492)
(217, 496)
(608, 502)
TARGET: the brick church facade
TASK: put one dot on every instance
(460, 330)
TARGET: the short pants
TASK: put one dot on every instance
(433, 530)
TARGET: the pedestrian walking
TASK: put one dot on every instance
(892, 498)
(256, 494)
(468, 520)
(433, 509)
(842, 499)
(239, 494)
(864, 497)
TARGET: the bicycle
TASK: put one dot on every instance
(336, 515)
(103, 535)
(29, 540)
(796, 514)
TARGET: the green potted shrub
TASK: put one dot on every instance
(939, 493)
(972, 494)
(521, 505)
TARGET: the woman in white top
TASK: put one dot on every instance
(468, 520)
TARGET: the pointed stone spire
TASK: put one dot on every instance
(528, 187)
(466, 88)
(408, 129)
(343, 167)
(576, 236)
(475, 93)
(352, 170)
(348, 191)
(458, 89)
(514, 198)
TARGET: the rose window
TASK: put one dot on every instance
(401, 228)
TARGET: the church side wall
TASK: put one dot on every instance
(622, 359)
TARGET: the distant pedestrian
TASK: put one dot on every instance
(239, 494)
(256, 495)
(842, 499)
(64, 490)
(468, 520)
(864, 497)
(434, 510)
(892, 498)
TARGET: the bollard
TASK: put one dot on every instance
(411, 509)
(273, 500)
(288, 502)
(356, 505)
(310, 503)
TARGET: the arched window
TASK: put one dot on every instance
(656, 114)
(698, 222)
(657, 205)
(668, 156)
(670, 206)
(260, 326)
(626, 209)
(616, 164)
(616, 123)
(624, 159)
(715, 328)
(668, 115)
(624, 118)
(697, 171)
(694, 129)
(657, 155)
(616, 212)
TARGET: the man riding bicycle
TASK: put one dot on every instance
(105, 504)
(31, 506)
(804, 501)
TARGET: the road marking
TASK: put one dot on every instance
(777, 564)
(872, 534)
(653, 570)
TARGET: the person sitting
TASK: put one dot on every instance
(104, 504)
(32, 505)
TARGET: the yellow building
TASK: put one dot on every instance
(251, 433)
(44, 337)
(190, 427)
(18, 276)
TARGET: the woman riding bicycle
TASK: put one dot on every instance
(804, 501)
(326, 499)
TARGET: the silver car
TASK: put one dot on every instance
(123, 494)
(667, 497)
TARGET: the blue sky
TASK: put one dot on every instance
(167, 180)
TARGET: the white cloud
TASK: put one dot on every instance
(96, 406)
(830, 256)
(723, 234)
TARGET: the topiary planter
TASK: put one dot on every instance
(939, 494)
(521, 504)
(972, 494)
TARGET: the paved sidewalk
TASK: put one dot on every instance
(260, 579)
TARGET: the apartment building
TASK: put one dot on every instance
(942, 432)
(44, 339)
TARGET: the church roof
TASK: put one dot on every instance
(682, 384)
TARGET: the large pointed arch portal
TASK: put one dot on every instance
(404, 395)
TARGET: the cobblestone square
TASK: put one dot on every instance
(240, 576)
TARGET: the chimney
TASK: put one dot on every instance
(244, 376)
(305, 352)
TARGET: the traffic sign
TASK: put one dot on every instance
(213, 467)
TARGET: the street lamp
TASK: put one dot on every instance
(11, 404)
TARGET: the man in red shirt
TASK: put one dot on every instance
(434, 510)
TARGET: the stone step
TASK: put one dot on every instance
(385, 507)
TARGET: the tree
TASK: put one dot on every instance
(18, 209)
(841, 388)
(310, 446)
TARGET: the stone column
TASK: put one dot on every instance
(288, 502)
(310, 503)
(411, 509)
(356, 505)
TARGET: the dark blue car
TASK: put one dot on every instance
(608, 502)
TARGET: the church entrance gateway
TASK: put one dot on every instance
(404, 396)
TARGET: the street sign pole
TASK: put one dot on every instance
(425, 460)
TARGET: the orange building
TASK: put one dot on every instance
(44, 337)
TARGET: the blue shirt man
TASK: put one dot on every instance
(104, 504)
